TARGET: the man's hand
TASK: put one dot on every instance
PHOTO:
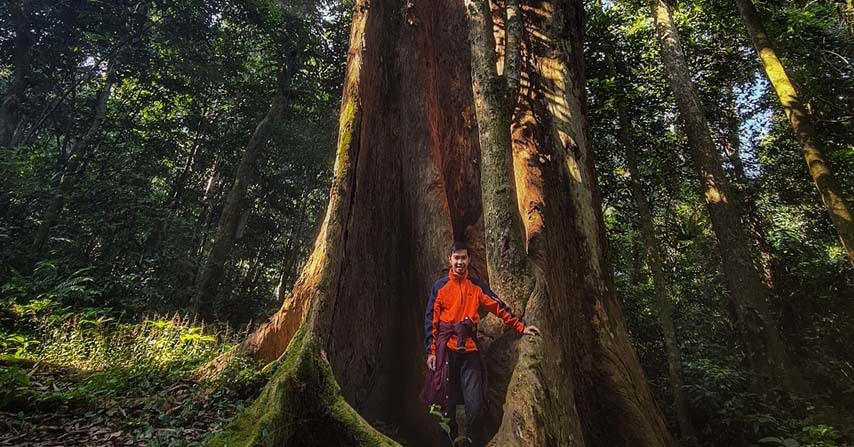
(530, 330)
(431, 362)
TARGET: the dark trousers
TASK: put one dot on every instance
(467, 388)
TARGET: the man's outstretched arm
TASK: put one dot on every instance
(490, 301)
(493, 304)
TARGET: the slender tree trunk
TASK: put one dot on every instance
(211, 275)
(755, 224)
(173, 203)
(766, 351)
(655, 262)
(186, 173)
(73, 166)
(825, 182)
(636, 273)
(286, 273)
(731, 124)
(664, 305)
(205, 218)
(22, 53)
(246, 285)
(407, 181)
(279, 292)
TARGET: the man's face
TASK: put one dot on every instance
(459, 261)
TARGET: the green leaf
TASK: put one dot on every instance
(445, 427)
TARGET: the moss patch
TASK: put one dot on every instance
(301, 405)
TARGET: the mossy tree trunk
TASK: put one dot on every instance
(766, 351)
(846, 15)
(407, 182)
(514, 366)
(825, 182)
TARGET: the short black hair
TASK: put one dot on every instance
(457, 246)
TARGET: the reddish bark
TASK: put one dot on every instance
(407, 182)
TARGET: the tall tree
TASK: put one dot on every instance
(226, 232)
(22, 54)
(72, 166)
(406, 183)
(655, 263)
(766, 350)
(825, 182)
(747, 194)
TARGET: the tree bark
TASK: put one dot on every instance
(510, 272)
(211, 276)
(22, 53)
(766, 351)
(825, 182)
(71, 170)
(407, 182)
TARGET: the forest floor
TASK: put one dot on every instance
(60, 407)
(89, 380)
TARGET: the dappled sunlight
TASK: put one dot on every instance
(95, 342)
(712, 191)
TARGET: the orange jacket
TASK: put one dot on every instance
(455, 297)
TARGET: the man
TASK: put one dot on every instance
(454, 356)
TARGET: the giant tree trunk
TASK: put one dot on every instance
(70, 171)
(406, 183)
(831, 193)
(9, 104)
(762, 340)
(223, 242)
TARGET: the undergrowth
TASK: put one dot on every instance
(88, 376)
